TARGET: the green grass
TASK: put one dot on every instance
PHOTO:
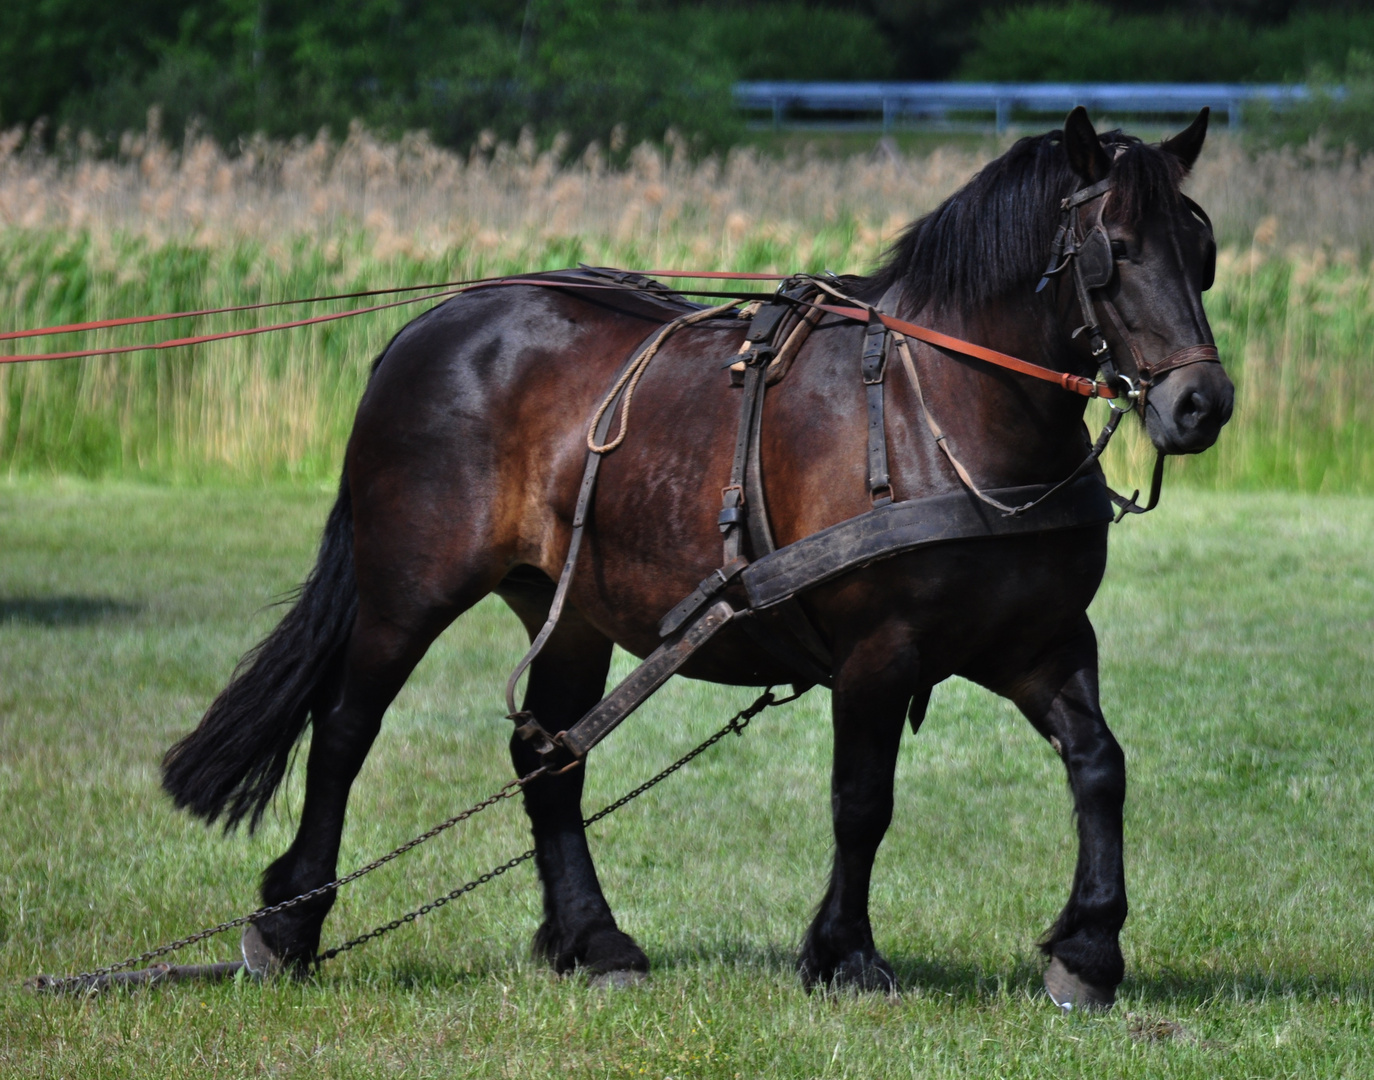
(1293, 331)
(1236, 671)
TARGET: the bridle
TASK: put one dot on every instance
(1087, 251)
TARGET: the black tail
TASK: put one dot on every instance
(234, 761)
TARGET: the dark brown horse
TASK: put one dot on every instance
(463, 469)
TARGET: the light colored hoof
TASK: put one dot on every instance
(258, 957)
(1070, 992)
(618, 980)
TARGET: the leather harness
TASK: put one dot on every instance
(770, 578)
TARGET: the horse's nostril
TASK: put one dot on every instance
(1192, 409)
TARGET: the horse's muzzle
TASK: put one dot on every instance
(1185, 410)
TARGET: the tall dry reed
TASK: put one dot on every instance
(155, 228)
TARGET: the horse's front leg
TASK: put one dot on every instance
(1060, 697)
(873, 687)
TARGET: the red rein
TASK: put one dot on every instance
(1077, 384)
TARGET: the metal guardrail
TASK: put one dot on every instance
(934, 102)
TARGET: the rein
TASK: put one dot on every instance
(1077, 384)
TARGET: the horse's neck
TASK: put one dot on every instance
(1007, 429)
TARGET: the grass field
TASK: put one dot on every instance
(1236, 636)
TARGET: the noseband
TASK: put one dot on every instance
(1088, 252)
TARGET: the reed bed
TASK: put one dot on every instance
(160, 229)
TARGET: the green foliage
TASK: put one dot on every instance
(1333, 120)
(292, 66)
(1088, 42)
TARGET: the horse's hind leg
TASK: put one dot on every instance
(393, 629)
(1060, 697)
(568, 678)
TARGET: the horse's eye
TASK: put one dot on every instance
(1118, 249)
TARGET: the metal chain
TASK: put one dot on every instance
(737, 724)
(86, 977)
(423, 909)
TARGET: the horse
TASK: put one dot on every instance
(461, 477)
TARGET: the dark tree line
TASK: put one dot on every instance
(291, 66)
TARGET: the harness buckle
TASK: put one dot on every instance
(530, 730)
(731, 507)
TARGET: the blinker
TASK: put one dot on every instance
(1209, 258)
(1095, 260)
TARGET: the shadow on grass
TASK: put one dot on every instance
(1198, 988)
(960, 983)
(64, 610)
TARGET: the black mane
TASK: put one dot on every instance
(993, 235)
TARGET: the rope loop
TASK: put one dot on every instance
(635, 371)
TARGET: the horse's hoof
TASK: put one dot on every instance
(866, 974)
(1070, 992)
(611, 952)
(617, 980)
(860, 972)
(258, 957)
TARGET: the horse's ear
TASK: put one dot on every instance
(1086, 156)
(1187, 144)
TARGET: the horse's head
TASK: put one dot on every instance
(1135, 255)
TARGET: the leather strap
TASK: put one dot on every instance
(711, 586)
(1087, 194)
(1078, 384)
(905, 526)
(782, 363)
(652, 673)
(789, 635)
(942, 441)
(873, 363)
(756, 508)
(822, 556)
(579, 522)
(1190, 354)
(733, 510)
(756, 352)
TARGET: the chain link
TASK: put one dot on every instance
(88, 978)
(736, 724)
(424, 909)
